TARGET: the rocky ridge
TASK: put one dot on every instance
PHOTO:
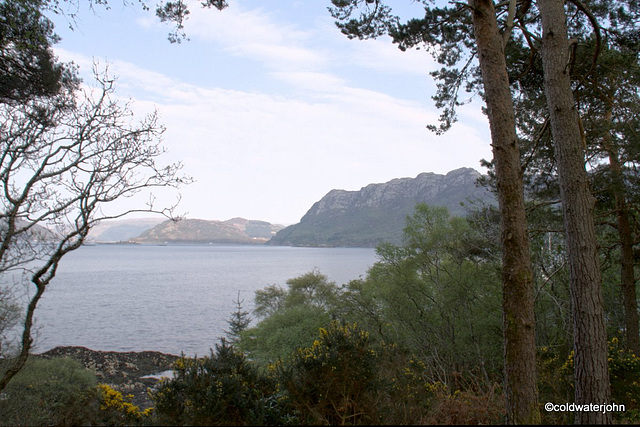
(377, 212)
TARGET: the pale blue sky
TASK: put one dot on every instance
(270, 107)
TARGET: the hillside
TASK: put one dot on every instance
(377, 212)
(110, 231)
(236, 230)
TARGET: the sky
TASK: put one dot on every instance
(269, 107)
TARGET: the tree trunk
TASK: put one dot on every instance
(517, 280)
(627, 274)
(19, 361)
(590, 339)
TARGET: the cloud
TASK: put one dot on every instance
(255, 34)
(383, 55)
(293, 53)
(312, 81)
(270, 154)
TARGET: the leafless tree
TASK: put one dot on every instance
(62, 160)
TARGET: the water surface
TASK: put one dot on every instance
(173, 298)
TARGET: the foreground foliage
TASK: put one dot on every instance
(223, 388)
(48, 392)
(116, 409)
(343, 378)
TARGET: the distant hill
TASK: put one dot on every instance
(236, 230)
(121, 230)
(377, 212)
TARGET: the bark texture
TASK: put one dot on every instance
(518, 298)
(590, 339)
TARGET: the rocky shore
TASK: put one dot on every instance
(128, 372)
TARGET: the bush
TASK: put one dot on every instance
(222, 389)
(48, 392)
(556, 382)
(290, 317)
(343, 377)
(280, 334)
(346, 378)
(335, 380)
(624, 372)
(114, 409)
(473, 406)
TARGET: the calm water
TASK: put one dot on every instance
(173, 298)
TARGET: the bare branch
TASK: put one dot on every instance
(62, 160)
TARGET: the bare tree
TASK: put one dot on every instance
(62, 159)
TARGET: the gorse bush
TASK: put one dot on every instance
(343, 378)
(221, 389)
(556, 371)
(115, 409)
(624, 372)
(346, 378)
(334, 381)
(555, 381)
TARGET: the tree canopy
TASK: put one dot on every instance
(28, 67)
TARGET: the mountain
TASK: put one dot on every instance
(236, 230)
(121, 230)
(377, 212)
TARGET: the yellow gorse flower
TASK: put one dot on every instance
(112, 400)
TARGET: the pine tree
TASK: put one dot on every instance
(238, 322)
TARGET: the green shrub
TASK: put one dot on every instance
(347, 378)
(289, 317)
(624, 372)
(335, 381)
(222, 389)
(280, 334)
(556, 382)
(48, 392)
